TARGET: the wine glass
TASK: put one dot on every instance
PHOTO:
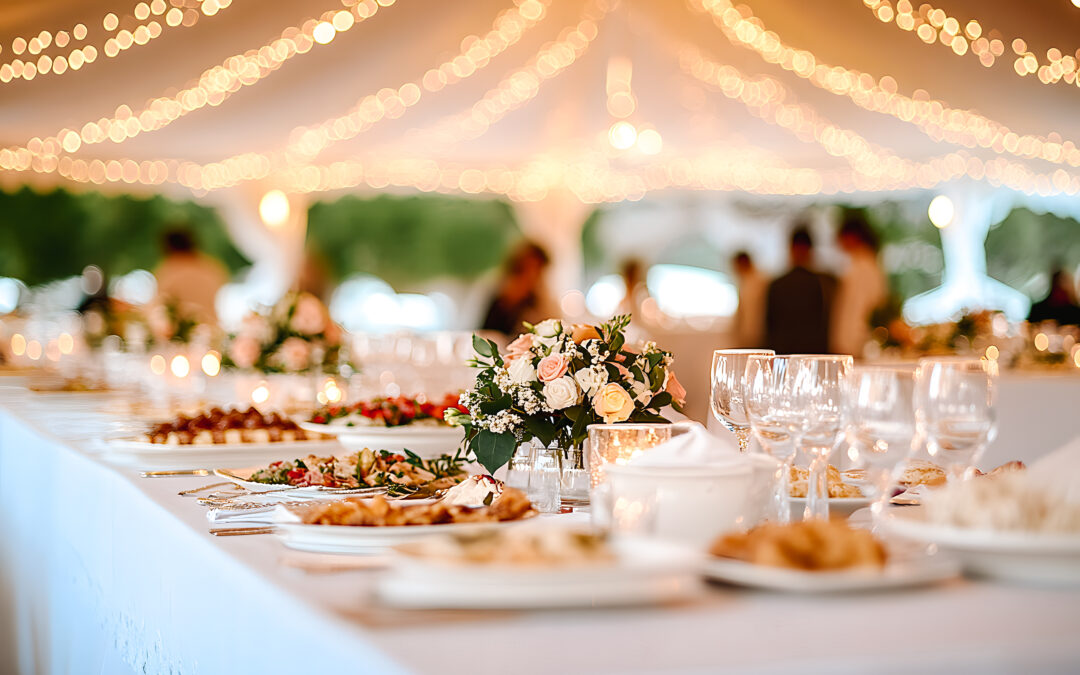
(726, 394)
(955, 411)
(817, 392)
(770, 420)
(881, 424)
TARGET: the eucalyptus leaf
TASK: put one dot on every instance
(493, 450)
(481, 346)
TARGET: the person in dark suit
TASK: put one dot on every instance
(797, 306)
(1058, 305)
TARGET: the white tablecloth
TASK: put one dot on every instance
(105, 572)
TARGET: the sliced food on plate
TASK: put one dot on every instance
(396, 411)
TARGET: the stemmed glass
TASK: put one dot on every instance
(726, 395)
(881, 424)
(770, 421)
(955, 411)
(816, 392)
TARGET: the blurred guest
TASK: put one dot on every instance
(522, 295)
(797, 303)
(861, 289)
(750, 314)
(633, 276)
(189, 279)
(1058, 305)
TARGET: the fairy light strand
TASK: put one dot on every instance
(933, 117)
(933, 25)
(67, 51)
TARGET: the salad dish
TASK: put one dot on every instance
(388, 412)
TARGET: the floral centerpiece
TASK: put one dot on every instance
(554, 381)
(396, 411)
(296, 335)
(169, 322)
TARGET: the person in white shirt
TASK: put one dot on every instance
(749, 323)
(188, 279)
(861, 289)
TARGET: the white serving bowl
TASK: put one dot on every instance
(428, 442)
(687, 504)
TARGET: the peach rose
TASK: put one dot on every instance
(551, 367)
(582, 332)
(613, 404)
(519, 347)
(244, 351)
(675, 388)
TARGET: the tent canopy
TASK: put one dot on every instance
(378, 116)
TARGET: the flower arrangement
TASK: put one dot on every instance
(554, 382)
(394, 411)
(296, 335)
(169, 322)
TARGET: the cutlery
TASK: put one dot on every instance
(184, 493)
(237, 531)
(166, 474)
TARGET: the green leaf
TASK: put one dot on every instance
(544, 430)
(660, 400)
(493, 450)
(481, 346)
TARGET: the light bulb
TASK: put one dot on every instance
(941, 211)
(622, 135)
(274, 208)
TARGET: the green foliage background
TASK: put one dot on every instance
(407, 240)
(53, 235)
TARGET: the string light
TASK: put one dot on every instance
(933, 117)
(214, 86)
(69, 56)
(933, 25)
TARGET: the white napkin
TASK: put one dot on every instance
(1060, 470)
(695, 447)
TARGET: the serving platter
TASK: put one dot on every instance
(903, 573)
(428, 442)
(147, 456)
(645, 572)
(241, 478)
(1027, 557)
(360, 540)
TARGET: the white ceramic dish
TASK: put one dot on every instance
(842, 507)
(148, 456)
(1035, 558)
(360, 540)
(428, 442)
(674, 499)
(646, 572)
(900, 574)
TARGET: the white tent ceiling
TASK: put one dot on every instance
(557, 138)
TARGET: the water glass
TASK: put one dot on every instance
(881, 424)
(771, 420)
(817, 391)
(726, 394)
(955, 411)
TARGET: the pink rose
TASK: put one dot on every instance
(309, 317)
(551, 367)
(160, 325)
(675, 388)
(255, 327)
(295, 354)
(520, 347)
(244, 351)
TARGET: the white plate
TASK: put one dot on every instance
(646, 572)
(843, 507)
(240, 477)
(900, 574)
(358, 539)
(428, 442)
(1047, 559)
(148, 456)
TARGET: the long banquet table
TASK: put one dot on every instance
(102, 571)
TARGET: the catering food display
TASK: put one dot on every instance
(835, 480)
(813, 545)
(379, 512)
(218, 426)
(396, 411)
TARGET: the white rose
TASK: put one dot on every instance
(561, 393)
(590, 379)
(521, 371)
(548, 331)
